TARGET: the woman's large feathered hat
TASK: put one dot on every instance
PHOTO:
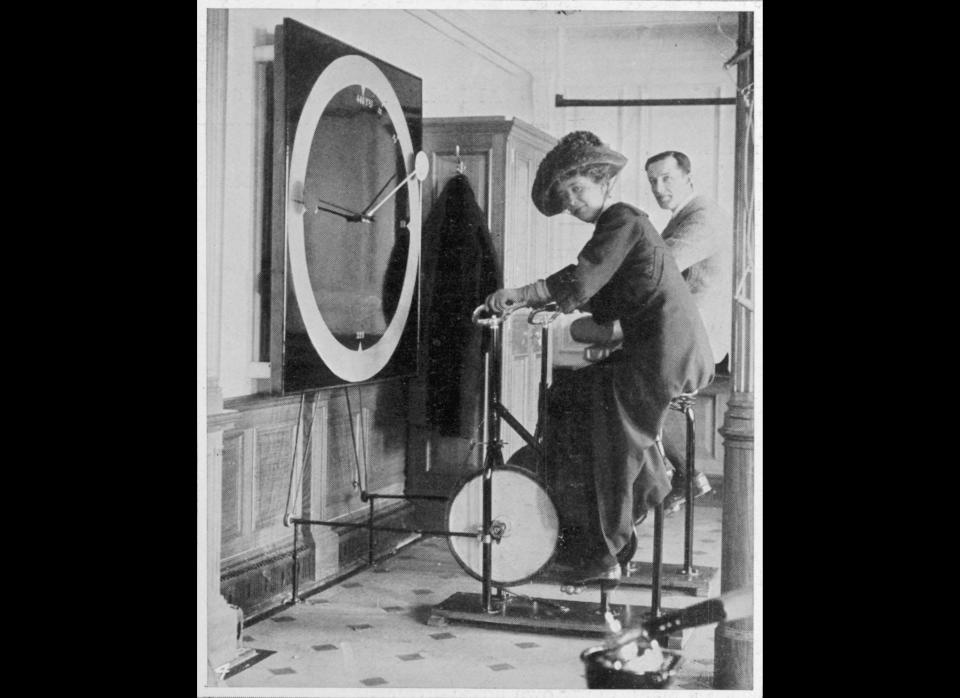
(575, 150)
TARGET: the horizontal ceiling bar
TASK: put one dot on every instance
(707, 101)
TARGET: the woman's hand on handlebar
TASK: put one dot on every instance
(504, 299)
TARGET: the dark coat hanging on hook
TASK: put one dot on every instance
(459, 272)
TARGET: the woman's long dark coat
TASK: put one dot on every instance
(625, 272)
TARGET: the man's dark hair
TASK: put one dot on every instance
(683, 162)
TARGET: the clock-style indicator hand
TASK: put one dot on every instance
(377, 195)
(346, 213)
(352, 217)
(420, 170)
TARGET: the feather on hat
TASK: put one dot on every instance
(575, 150)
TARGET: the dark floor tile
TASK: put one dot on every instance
(351, 585)
(442, 636)
(316, 601)
(410, 657)
(283, 619)
(360, 626)
(526, 645)
(324, 648)
(381, 570)
(421, 592)
(501, 667)
(394, 609)
(284, 670)
(248, 638)
(373, 681)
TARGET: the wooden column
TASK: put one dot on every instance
(733, 641)
(223, 621)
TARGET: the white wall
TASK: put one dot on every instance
(473, 64)
(656, 62)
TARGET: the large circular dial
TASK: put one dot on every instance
(353, 218)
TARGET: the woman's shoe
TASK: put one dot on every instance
(599, 570)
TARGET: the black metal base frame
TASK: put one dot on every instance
(522, 612)
(540, 615)
(673, 577)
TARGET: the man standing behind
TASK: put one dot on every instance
(700, 236)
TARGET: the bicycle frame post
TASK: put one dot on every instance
(494, 457)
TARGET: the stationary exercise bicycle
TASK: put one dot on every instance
(516, 522)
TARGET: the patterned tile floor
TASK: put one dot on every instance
(372, 630)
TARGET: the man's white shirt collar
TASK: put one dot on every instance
(683, 203)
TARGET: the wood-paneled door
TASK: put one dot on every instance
(500, 158)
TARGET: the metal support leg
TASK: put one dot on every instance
(486, 599)
(491, 398)
(296, 592)
(688, 568)
(657, 559)
(370, 534)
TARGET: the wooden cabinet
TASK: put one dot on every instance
(500, 158)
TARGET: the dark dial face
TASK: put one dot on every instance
(356, 266)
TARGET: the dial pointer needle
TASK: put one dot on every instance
(377, 195)
(421, 168)
(392, 192)
(352, 217)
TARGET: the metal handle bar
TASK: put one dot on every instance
(485, 318)
(551, 308)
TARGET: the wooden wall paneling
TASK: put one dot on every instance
(262, 469)
(386, 439)
(261, 438)
(232, 489)
(341, 461)
(525, 261)
(273, 465)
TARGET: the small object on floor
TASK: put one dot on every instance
(649, 668)
(641, 662)
(677, 497)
